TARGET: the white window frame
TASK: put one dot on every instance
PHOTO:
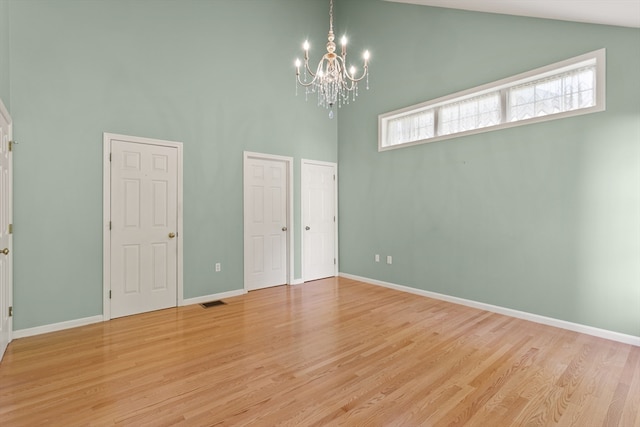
(596, 58)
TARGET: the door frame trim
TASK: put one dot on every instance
(106, 215)
(5, 113)
(288, 161)
(333, 165)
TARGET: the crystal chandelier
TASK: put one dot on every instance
(333, 83)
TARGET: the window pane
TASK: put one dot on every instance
(563, 92)
(470, 114)
(410, 128)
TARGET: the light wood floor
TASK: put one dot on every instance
(331, 352)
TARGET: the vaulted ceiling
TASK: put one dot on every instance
(624, 13)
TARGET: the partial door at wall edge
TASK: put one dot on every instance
(267, 230)
(6, 229)
(144, 236)
(319, 219)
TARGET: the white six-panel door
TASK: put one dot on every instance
(319, 216)
(265, 221)
(144, 227)
(6, 247)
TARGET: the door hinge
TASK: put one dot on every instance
(109, 156)
(334, 261)
(334, 218)
(10, 145)
(109, 225)
(109, 294)
(11, 311)
(10, 228)
(334, 176)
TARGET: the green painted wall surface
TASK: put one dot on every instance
(540, 218)
(543, 218)
(5, 94)
(216, 75)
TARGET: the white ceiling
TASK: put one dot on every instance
(625, 13)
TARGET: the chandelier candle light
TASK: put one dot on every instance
(333, 83)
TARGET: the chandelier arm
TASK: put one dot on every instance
(364, 74)
(339, 67)
(319, 69)
(306, 65)
(349, 84)
(345, 73)
(303, 84)
(340, 61)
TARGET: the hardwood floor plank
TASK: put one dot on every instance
(624, 406)
(330, 352)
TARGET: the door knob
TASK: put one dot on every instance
(307, 228)
(284, 228)
(5, 251)
(172, 235)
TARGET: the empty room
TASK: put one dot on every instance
(320, 212)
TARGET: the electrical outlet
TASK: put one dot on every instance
(389, 259)
(217, 267)
(377, 257)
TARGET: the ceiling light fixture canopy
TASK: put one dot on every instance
(333, 83)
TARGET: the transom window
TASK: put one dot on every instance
(564, 89)
(474, 113)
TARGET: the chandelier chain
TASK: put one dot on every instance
(331, 16)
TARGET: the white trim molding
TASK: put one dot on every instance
(8, 296)
(549, 321)
(55, 327)
(69, 324)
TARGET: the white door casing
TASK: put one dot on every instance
(267, 225)
(6, 236)
(319, 219)
(143, 236)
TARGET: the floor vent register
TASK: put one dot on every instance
(212, 304)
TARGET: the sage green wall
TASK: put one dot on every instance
(543, 218)
(217, 75)
(5, 94)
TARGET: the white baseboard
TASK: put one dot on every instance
(54, 327)
(297, 282)
(213, 297)
(23, 333)
(563, 324)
